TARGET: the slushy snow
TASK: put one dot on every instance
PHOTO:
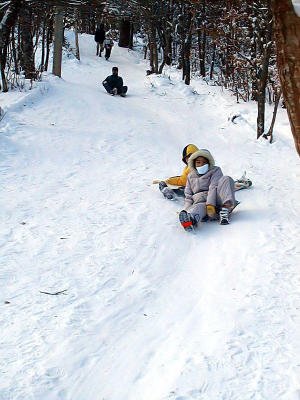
(148, 312)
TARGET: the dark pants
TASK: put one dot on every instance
(100, 48)
(107, 52)
(179, 192)
(109, 88)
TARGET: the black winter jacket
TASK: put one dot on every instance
(115, 81)
(100, 35)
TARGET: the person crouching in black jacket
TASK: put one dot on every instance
(114, 84)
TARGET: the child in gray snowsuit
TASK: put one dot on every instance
(108, 45)
(206, 192)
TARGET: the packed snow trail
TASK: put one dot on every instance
(150, 312)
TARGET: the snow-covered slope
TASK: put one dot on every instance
(149, 312)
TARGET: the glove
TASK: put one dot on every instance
(211, 212)
(156, 181)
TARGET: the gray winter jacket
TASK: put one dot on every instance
(108, 43)
(202, 188)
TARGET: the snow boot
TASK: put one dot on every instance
(167, 192)
(242, 183)
(186, 220)
(224, 216)
(114, 91)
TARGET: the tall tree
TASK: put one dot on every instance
(58, 41)
(287, 34)
(8, 20)
(125, 33)
(27, 55)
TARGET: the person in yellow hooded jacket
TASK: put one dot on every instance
(181, 180)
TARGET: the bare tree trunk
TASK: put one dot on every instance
(165, 39)
(155, 58)
(287, 35)
(14, 51)
(48, 43)
(58, 41)
(181, 55)
(8, 21)
(131, 36)
(125, 33)
(151, 53)
(161, 67)
(153, 48)
(261, 92)
(168, 57)
(187, 51)
(253, 49)
(202, 43)
(202, 51)
(76, 40)
(27, 56)
(270, 132)
(212, 63)
(3, 57)
(43, 46)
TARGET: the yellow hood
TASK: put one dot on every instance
(189, 149)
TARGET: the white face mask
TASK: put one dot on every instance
(202, 170)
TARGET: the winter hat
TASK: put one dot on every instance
(188, 150)
(201, 153)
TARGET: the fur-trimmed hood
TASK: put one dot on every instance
(200, 153)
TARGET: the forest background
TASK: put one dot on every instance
(251, 48)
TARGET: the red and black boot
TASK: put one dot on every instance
(187, 221)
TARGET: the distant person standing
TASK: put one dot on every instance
(108, 45)
(99, 39)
